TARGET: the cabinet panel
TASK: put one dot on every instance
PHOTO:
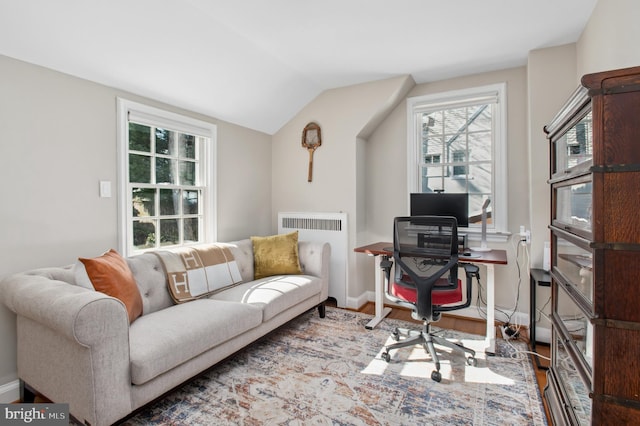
(621, 206)
(621, 267)
(620, 138)
(620, 377)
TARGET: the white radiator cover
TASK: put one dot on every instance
(323, 227)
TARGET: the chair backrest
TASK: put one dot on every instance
(425, 251)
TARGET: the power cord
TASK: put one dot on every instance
(519, 354)
(511, 331)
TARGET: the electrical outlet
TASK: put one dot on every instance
(525, 235)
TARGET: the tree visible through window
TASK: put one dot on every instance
(168, 191)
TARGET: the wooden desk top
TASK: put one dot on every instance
(386, 249)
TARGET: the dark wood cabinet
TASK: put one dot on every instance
(594, 377)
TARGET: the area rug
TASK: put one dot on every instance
(329, 371)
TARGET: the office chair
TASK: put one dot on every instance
(425, 252)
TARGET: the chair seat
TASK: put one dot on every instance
(438, 297)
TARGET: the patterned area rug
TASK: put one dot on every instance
(329, 371)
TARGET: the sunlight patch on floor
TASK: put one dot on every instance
(418, 364)
(485, 375)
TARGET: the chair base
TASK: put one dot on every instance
(428, 341)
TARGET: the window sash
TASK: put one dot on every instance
(494, 95)
(204, 161)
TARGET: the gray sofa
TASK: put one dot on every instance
(76, 345)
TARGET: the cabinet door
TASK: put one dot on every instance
(572, 149)
(572, 206)
(573, 267)
(574, 326)
(574, 391)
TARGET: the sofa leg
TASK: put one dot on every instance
(322, 309)
(26, 394)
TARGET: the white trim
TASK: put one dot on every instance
(10, 392)
(497, 92)
(151, 115)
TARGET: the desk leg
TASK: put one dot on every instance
(490, 339)
(381, 311)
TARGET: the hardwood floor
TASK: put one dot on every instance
(472, 326)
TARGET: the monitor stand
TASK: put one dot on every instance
(483, 244)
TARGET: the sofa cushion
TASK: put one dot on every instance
(110, 274)
(276, 255)
(164, 339)
(273, 294)
(152, 282)
(242, 251)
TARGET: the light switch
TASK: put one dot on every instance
(105, 189)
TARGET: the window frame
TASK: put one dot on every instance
(157, 117)
(498, 229)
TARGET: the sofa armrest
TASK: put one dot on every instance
(65, 308)
(73, 345)
(314, 260)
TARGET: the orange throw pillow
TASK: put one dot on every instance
(110, 274)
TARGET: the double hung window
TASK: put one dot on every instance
(456, 145)
(166, 175)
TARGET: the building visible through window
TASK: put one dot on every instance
(457, 147)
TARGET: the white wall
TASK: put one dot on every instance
(58, 140)
(346, 116)
(387, 194)
(610, 39)
(551, 78)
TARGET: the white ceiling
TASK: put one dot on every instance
(258, 62)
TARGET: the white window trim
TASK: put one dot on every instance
(155, 116)
(498, 230)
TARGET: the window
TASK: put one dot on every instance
(456, 144)
(166, 178)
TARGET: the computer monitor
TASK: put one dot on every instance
(441, 204)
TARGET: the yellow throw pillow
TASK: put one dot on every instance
(276, 255)
(110, 274)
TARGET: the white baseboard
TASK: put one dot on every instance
(358, 302)
(10, 392)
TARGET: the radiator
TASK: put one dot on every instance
(323, 227)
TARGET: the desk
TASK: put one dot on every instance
(383, 250)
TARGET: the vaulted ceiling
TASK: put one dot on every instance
(256, 63)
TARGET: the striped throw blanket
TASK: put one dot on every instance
(195, 272)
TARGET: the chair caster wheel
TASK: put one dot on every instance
(472, 361)
(386, 356)
(396, 335)
(436, 376)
